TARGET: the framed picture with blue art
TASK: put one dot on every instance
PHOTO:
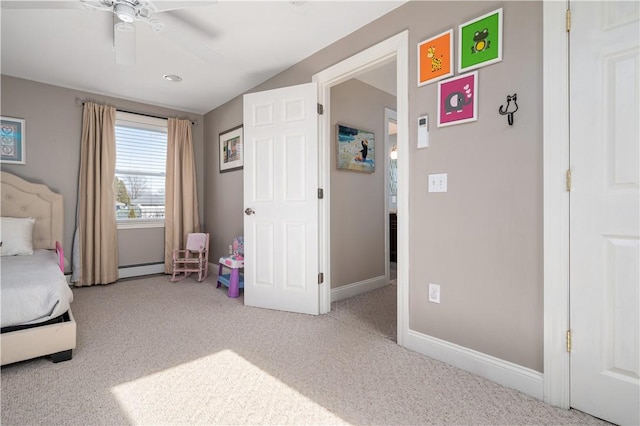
(355, 149)
(480, 41)
(12, 141)
(458, 99)
(231, 150)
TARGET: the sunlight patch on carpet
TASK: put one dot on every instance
(220, 388)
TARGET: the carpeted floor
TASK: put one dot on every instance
(374, 311)
(155, 352)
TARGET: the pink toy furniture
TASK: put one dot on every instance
(233, 280)
(194, 258)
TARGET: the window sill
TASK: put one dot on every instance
(139, 224)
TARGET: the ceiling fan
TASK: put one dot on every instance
(127, 12)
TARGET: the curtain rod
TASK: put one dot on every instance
(81, 102)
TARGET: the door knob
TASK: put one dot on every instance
(249, 211)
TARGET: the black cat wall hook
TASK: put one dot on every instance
(506, 111)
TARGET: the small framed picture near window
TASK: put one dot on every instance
(480, 41)
(458, 99)
(435, 58)
(12, 141)
(231, 153)
(356, 149)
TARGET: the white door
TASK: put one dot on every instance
(280, 199)
(604, 209)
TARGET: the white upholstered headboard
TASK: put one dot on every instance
(25, 199)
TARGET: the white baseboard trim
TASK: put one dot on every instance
(502, 372)
(137, 271)
(360, 287)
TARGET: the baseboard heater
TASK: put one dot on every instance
(141, 269)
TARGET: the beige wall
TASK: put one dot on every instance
(357, 199)
(482, 240)
(223, 196)
(53, 131)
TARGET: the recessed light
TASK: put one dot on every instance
(172, 77)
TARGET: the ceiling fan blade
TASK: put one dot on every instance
(164, 6)
(124, 43)
(96, 5)
(176, 32)
(40, 4)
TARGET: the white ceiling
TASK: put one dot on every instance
(243, 43)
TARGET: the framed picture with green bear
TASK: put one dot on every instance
(480, 41)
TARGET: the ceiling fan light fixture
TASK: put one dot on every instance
(125, 12)
(172, 78)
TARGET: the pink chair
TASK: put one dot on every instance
(194, 258)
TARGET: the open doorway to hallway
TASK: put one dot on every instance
(364, 206)
(394, 49)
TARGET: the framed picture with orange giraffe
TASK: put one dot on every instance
(435, 58)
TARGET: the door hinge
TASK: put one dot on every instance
(320, 277)
(320, 109)
(569, 340)
(568, 17)
(320, 193)
(568, 180)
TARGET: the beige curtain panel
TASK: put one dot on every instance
(98, 244)
(181, 196)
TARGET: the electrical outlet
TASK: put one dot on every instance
(434, 293)
(230, 249)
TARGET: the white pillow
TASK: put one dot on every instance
(16, 236)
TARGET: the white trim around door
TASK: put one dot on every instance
(394, 48)
(556, 203)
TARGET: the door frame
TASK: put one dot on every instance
(555, 156)
(394, 48)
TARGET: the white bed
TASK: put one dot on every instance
(22, 199)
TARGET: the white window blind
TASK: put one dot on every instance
(141, 156)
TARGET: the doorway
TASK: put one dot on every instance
(394, 48)
(363, 250)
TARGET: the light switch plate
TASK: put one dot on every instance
(438, 182)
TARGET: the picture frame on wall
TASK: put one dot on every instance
(355, 149)
(13, 142)
(435, 58)
(231, 149)
(458, 99)
(480, 41)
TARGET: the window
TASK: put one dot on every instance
(141, 157)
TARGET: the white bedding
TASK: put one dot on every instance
(34, 289)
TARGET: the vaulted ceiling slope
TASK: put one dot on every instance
(219, 49)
